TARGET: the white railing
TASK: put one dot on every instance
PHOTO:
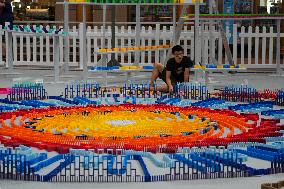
(2, 48)
(264, 44)
(29, 49)
(257, 49)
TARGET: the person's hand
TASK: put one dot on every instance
(171, 88)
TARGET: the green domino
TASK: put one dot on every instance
(51, 31)
(26, 29)
(64, 33)
(38, 30)
(15, 28)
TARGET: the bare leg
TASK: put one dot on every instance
(158, 68)
(163, 89)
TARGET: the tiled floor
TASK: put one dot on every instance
(236, 183)
(257, 80)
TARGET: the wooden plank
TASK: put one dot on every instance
(206, 46)
(242, 46)
(143, 31)
(271, 47)
(235, 43)
(157, 42)
(21, 48)
(129, 44)
(41, 49)
(263, 41)
(89, 48)
(15, 48)
(150, 30)
(123, 43)
(249, 44)
(256, 46)
(220, 50)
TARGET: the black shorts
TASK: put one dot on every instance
(163, 76)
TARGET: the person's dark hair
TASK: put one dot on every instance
(177, 48)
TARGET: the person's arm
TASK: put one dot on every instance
(169, 82)
(186, 75)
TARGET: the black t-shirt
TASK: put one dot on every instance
(177, 69)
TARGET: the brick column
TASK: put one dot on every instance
(89, 14)
(121, 13)
(59, 13)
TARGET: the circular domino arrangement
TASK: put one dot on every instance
(133, 137)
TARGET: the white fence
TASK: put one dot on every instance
(2, 49)
(252, 47)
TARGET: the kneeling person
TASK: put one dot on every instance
(176, 70)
